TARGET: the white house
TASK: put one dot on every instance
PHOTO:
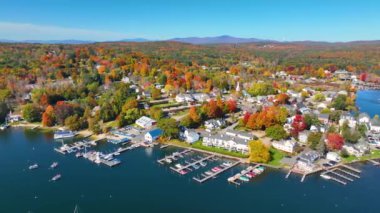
(375, 125)
(153, 135)
(240, 134)
(145, 122)
(226, 142)
(364, 118)
(302, 136)
(349, 119)
(333, 156)
(215, 124)
(285, 145)
(13, 117)
(357, 150)
(190, 136)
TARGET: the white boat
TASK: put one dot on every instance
(54, 165)
(116, 153)
(203, 164)
(179, 166)
(62, 134)
(4, 126)
(34, 166)
(167, 160)
(325, 176)
(78, 155)
(56, 177)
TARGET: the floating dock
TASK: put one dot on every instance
(225, 168)
(191, 164)
(376, 163)
(233, 179)
(173, 156)
(342, 174)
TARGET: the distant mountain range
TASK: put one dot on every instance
(224, 39)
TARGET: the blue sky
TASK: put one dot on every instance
(320, 20)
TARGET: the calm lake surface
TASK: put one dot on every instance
(369, 101)
(140, 184)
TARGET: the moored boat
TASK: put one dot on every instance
(34, 166)
(62, 134)
(54, 165)
(56, 177)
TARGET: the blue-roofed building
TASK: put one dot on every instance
(152, 135)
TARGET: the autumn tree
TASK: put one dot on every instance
(335, 141)
(48, 117)
(258, 152)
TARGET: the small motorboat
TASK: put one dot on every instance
(195, 166)
(244, 178)
(34, 166)
(54, 165)
(209, 173)
(79, 154)
(178, 165)
(216, 169)
(325, 176)
(56, 177)
(183, 172)
(203, 164)
(167, 160)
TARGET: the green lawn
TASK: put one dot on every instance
(178, 143)
(198, 145)
(374, 154)
(167, 105)
(276, 157)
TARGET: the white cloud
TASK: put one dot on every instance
(24, 31)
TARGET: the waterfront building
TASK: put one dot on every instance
(153, 135)
(227, 142)
(333, 156)
(145, 122)
(375, 125)
(285, 145)
(189, 135)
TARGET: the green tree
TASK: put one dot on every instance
(156, 113)
(314, 139)
(32, 113)
(261, 88)
(169, 126)
(258, 152)
(339, 102)
(4, 94)
(276, 132)
(319, 97)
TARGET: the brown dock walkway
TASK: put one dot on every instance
(192, 163)
(216, 173)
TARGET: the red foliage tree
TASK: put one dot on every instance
(335, 141)
(48, 116)
(231, 105)
(298, 125)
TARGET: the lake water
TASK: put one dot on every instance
(140, 184)
(369, 101)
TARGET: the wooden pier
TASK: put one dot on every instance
(376, 163)
(164, 146)
(233, 179)
(351, 168)
(173, 155)
(191, 164)
(216, 173)
(343, 174)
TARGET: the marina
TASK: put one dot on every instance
(173, 157)
(179, 168)
(341, 174)
(246, 174)
(208, 176)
